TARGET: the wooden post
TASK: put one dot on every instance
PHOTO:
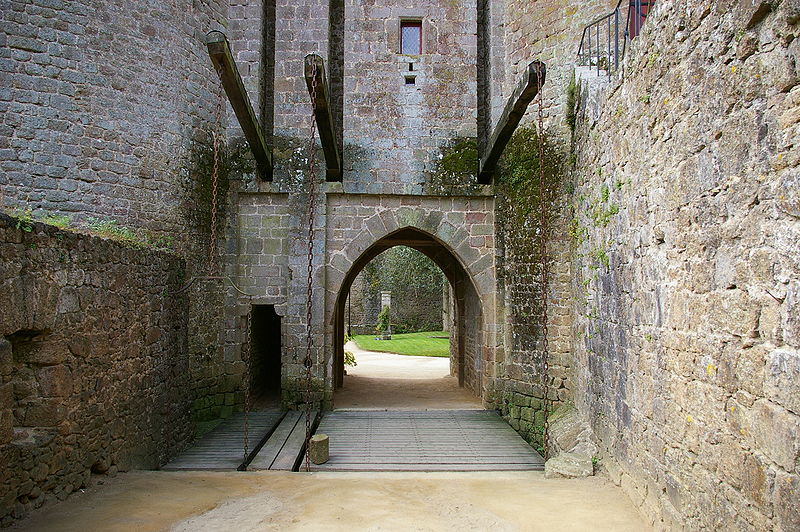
(318, 448)
(220, 52)
(526, 91)
(318, 88)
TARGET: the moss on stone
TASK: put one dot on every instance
(457, 169)
(233, 161)
(520, 203)
(461, 159)
(572, 99)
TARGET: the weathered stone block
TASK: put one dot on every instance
(55, 381)
(773, 429)
(782, 378)
(44, 413)
(786, 502)
(318, 448)
(791, 315)
(568, 465)
(6, 426)
(6, 356)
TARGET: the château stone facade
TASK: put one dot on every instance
(672, 253)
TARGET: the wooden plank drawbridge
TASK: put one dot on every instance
(361, 440)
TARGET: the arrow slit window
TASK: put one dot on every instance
(411, 37)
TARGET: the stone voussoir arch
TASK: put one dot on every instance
(457, 235)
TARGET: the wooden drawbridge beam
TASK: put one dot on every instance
(220, 52)
(526, 91)
(317, 83)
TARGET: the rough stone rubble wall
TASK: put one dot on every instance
(687, 268)
(105, 113)
(93, 365)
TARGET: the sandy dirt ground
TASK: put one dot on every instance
(272, 500)
(384, 381)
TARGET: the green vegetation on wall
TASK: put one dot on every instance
(102, 227)
(520, 204)
(233, 161)
(457, 170)
(518, 179)
(416, 285)
(572, 101)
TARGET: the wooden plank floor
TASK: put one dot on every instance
(443, 440)
(282, 451)
(222, 449)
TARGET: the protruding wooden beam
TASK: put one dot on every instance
(318, 89)
(526, 91)
(220, 52)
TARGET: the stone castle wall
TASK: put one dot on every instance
(462, 224)
(102, 106)
(106, 114)
(393, 131)
(392, 136)
(686, 268)
(93, 364)
(549, 31)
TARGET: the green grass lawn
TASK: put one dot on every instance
(418, 344)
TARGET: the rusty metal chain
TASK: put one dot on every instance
(215, 137)
(213, 263)
(543, 210)
(247, 351)
(308, 361)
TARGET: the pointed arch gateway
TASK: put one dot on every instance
(466, 353)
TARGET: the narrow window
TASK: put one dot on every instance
(411, 37)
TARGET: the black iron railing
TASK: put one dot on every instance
(604, 41)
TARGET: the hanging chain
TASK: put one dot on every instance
(308, 361)
(215, 137)
(213, 266)
(247, 352)
(543, 210)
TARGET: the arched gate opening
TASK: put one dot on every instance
(466, 358)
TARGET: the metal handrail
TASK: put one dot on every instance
(608, 53)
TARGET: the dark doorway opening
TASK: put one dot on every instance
(265, 383)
